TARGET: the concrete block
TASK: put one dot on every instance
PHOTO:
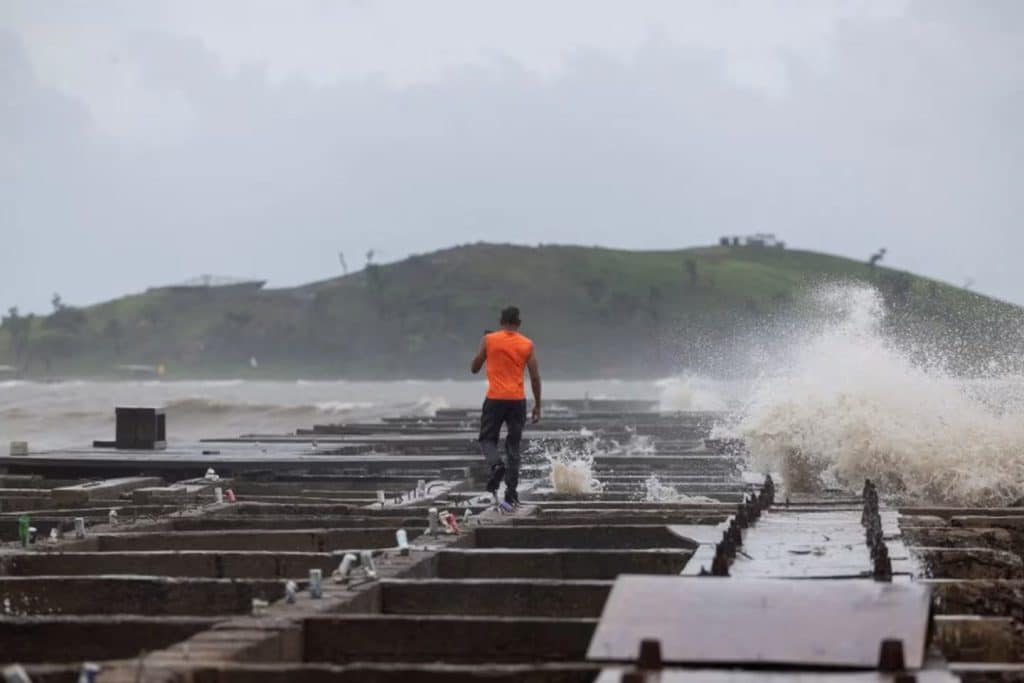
(969, 563)
(971, 638)
(398, 672)
(452, 639)
(985, 597)
(77, 639)
(595, 537)
(104, 489)
(298, 540)
(951, 537)
(176, 494)
(522, 597)
(558, 564)
(213, 522)
(143, 595)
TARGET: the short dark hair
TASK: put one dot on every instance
(510, 316)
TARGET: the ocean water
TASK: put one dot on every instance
(73, 413)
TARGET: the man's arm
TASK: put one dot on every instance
(480, 357)
(531, 365)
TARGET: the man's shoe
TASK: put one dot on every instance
(505, 507)
(512, 499)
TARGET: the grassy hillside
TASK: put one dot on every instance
(593, 312)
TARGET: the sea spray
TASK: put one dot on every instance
(849, 403)
(569, 463)
(656, 492)
(574, 475)
(427, 406)
(690, 393)
(636, 444)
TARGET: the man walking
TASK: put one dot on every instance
(506, 353)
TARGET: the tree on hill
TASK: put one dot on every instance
(19, 327)
(876, 257)
(691, 272)
(114, 332)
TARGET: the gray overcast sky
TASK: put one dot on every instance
(144, 142)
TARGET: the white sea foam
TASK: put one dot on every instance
(427, 406)
(636, 444)
(691, 392)
(656, 492)
(849, 403)
(334, 407)
(569, 464)
(573, 474)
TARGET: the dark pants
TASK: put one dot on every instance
(513, 415)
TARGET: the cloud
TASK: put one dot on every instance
(909, 138)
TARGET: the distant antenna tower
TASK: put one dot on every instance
(341, 259)
(369, 256)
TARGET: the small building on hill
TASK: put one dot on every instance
(213, 284)
(763, 240)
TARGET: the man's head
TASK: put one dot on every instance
(510, 317)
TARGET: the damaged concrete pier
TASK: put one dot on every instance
(325, 555)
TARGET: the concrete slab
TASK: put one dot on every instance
(298, 540)
(762, 621)
(212, 523)
(484, 640)
(186, 462)
(77, 639)
(948, 512)
(399, 672)
(142, 595)
(181, 563)
(1001, 521)
(177, 494)
(969, 563)
(982, 672)
(973, 638)
(784, 543)
(505, 597)
(557, 564)
(80, 494)
(592, 537)
(952, 537)
(992, 597)
(622, 517)
(681, 675)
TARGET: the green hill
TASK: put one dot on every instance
(592, 311)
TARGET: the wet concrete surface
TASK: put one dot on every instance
(174, 563)
(144, 595)
(558, 564)
(522, 597)
(198, 587)
(298, 540)
(456, 639)
(91, 638)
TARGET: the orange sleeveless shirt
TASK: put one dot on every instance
(507, 353)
